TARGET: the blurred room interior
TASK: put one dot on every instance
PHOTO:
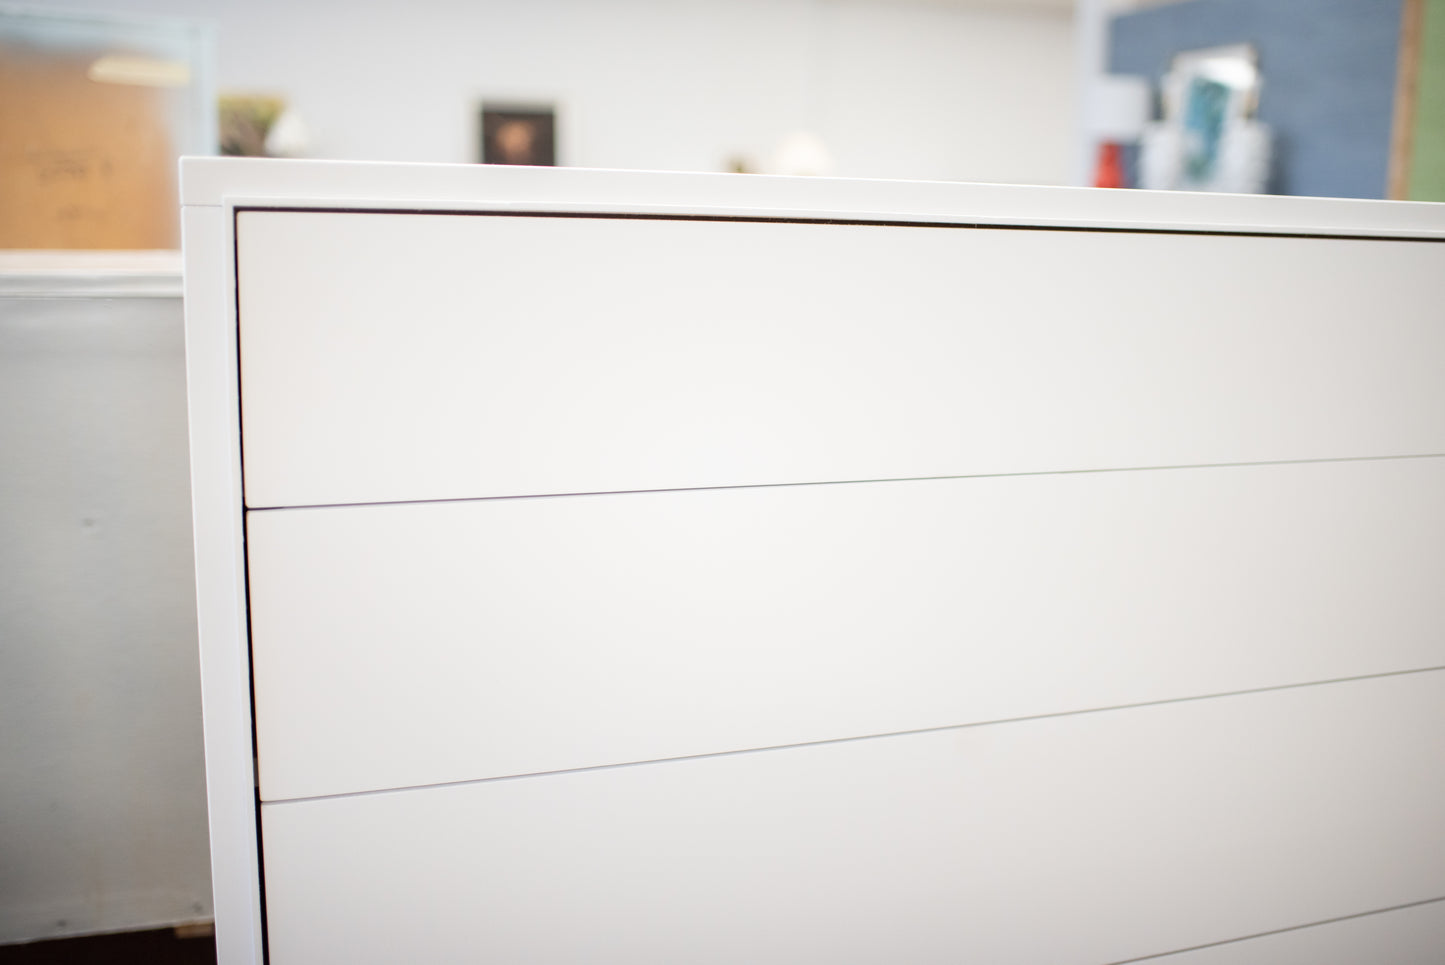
(102, 793)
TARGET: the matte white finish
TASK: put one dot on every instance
(223, 181)
(417, 644)
(102, 795)
(220, 585)
(664, 354)
(1179, 825)
(1084, 839)
(1408, 936)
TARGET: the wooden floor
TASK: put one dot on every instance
(157, 947)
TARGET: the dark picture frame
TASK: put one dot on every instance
(518, 135)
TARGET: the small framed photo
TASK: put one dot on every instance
(1209, 139)
(1210, 97)
(518, 134)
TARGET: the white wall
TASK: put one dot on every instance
(896, 88)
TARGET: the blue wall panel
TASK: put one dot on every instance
(1329, 79)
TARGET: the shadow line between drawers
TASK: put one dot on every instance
(858, 482)
(866, 737)
(1278, 931)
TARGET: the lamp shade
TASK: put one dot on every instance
(1117, 107)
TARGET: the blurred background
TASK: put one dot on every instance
(102, 801)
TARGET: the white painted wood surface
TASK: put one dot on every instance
(423, 643)
(226, 182)
(1092, 837)
(1083, 839)
(214, 410)
(447, 356)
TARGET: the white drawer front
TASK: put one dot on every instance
(416, 644)
(1086, 839)
(407, 356)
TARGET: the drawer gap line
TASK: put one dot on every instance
(859, 482)
(1279, 931)
(866, 737)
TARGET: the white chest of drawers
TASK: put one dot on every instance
(631, 567)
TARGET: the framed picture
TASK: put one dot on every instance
(1209, 139)
(518, 135)
(1208, 96)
